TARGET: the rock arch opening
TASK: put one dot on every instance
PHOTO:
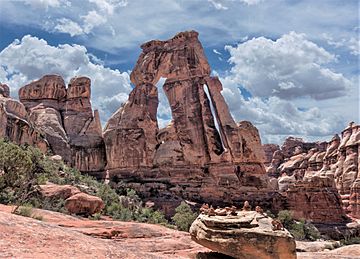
(163, 115)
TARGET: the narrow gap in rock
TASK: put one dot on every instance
(206, 90)
(164, 116)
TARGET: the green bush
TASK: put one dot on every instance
(184, 217)
(301, 229)
(53, 204)
(350, 241)
(285, 218)
(96, 216)
(297, 230)
(25, 211)
(311, 232)
(24, 168)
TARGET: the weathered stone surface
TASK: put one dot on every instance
(285, 181)
(50, 91)
(84, 204)
(269, 150)
(354, 199)
(133, 128)
(203, 155)
(337, 160)
(247, 235)
(60, 236)
(296, 157)
(48, 121)
(316, 198)
(14, 123)
(51, 190)
(65, 117)
(4, 90)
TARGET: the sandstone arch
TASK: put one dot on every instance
(192, 137)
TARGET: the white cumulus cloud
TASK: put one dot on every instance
(68, 26)
(30, 58)
(291, 91)
(289, 67)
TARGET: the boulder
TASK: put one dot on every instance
(56, 191)
(246, 235)
(84, 204)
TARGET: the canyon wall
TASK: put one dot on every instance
(299, 166)
(65, 118)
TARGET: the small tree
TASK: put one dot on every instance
(20, 167)
(184, 217)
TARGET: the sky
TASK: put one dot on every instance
(291, 67)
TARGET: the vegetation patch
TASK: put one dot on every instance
(184, 217)
(301, 230)
(24, 168)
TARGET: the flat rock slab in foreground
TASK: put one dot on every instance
(60, 236)
(247, 235)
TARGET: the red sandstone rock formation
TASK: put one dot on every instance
(192, 157)
(14, 123)
(84, 204)
(337, 160)
(269, 150)
(65, 117)
(4, 90)
(316, 199)
(58, 191)
(182, 62)
(245, 235)
(60, 236)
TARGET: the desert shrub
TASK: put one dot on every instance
(184, 217)
(301, 229)
(53, 204)
(24, 168)
(285, 218)
(311, 232)
(96, 216)
(20, 167)
(117, 211)
(151, 216)
(297, 229)
(350, 241)
(25, 211)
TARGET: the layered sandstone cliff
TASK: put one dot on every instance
(336, 160)
(14, 123)
(65, 117)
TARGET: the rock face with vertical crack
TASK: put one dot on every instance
(203, 154)
(65, 117)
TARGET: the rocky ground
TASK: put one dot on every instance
(63, 236)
